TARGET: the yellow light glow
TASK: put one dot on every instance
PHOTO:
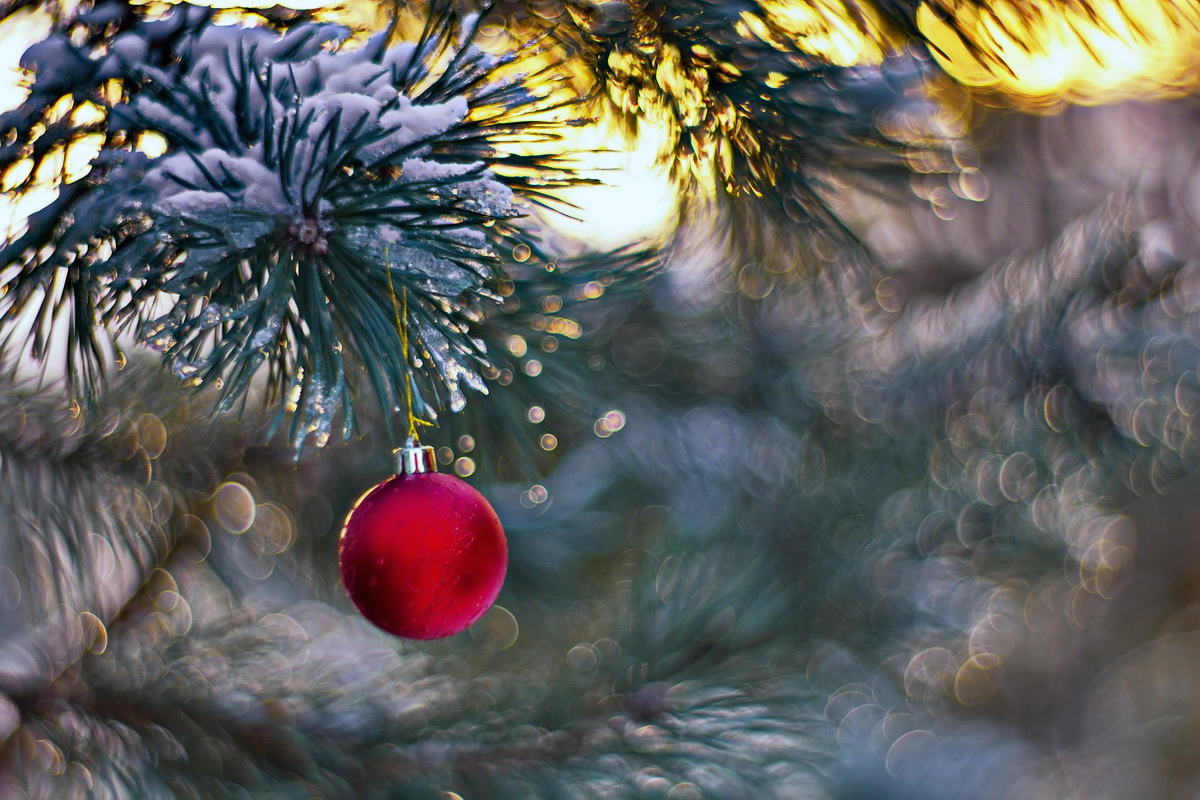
(1059, 53)
(1131, 48)
(636, 201)
(821, 27)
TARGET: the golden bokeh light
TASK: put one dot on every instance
(822, 28)
(635, 199)
(1128, 49)
(1125, 49)
(1116, 50)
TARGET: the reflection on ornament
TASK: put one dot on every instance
(422, 554)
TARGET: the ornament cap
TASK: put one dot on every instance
(414, 459)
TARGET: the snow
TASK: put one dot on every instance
(247, 163)
(268, 333)
(329, 90)
(360, 78)
(421, 169)
(489, 197)
(331, 95)
(350, 109)
(193, 201)
(411, 123)
(398, 58)
(244, 178)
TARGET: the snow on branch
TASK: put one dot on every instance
(307, 178)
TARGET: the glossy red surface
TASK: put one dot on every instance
(423, 556)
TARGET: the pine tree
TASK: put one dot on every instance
(890, 503)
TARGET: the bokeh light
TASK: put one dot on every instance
(919, 525)
(1107, 51)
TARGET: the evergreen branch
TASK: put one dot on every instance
(755, 123)
(549, 308)
(297, 170)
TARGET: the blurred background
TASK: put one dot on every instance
(853, 460)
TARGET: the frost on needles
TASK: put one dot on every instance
(299, 170)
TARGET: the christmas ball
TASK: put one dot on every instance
(422, 555)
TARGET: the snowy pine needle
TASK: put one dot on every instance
(300, 169)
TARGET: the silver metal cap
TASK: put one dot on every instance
(414, 458)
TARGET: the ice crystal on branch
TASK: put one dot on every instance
(305, 169)
(307, 178)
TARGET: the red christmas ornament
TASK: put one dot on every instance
(422, 554)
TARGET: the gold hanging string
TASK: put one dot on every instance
(414, 437)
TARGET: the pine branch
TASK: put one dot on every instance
(542, 372)
(93, 506)
(1024, 308)
(298, 188)
(756, 125)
